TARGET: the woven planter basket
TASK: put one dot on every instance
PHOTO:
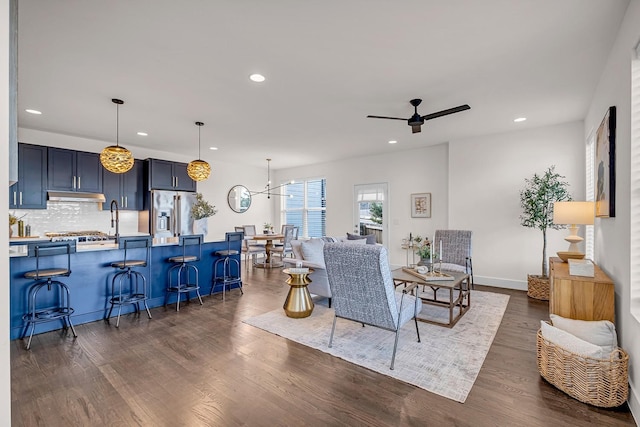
(598, 382)
(538, 287)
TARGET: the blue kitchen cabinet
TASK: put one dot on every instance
(166, 175)
(126, 188)
(70, 170)
(30, 192)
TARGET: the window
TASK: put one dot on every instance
(306, 207)
(635, 187)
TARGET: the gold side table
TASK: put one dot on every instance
(298, 303)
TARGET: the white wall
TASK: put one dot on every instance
(612, 244)
(5, 361)
(414, 171)
(475, 185)
(215, 189)
(486, 175)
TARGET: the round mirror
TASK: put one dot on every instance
(239, 198)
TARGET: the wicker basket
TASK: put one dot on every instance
(538, 287)
(598, 382)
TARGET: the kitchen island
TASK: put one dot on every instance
(90, 280)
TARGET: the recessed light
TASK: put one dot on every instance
(259, 78)
(520, 119)
(30, 111)
(393, 142)
(143, 134)
(213, 148)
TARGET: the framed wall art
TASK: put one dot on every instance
(421, 205)
(605, 167)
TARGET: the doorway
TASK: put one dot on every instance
(371, 211)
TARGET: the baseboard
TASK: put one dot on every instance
(520, 285)
(634, 404)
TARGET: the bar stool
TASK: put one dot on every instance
(184, 286)
(135, 293)
(60, 308)
(228, 277)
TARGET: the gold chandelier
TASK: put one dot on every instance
(114, 158)
(198, 170)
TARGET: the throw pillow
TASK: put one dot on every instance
(297, 249)
(598, 332)
(572, 343)
(371, 238)
(312, 251)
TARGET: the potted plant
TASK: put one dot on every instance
(12, 220)
(267, 228)
(200, 211)
(536, 200)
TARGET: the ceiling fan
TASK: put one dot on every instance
(416, 121)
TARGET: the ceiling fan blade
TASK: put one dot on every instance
(416, 129)
(385, 117)
(446, 112)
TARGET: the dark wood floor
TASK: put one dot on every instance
(203, 366)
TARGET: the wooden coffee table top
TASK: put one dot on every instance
(402, 276)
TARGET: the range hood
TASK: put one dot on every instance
(75, 196)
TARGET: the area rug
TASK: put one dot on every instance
(446, 362)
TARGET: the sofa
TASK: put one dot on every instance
(310, 254)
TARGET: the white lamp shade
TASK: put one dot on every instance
(573, 213)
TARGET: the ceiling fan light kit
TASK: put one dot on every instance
(416, 120)
(114, 158)
(198, 170)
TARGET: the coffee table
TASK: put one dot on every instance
(458, 300)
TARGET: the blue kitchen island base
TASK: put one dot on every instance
(90, 282)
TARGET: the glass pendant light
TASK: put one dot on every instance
(114, 158)
(198, 170)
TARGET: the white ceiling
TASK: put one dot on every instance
(328, 65)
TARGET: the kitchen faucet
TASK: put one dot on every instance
(117, 220)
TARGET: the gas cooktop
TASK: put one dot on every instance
(87, 237)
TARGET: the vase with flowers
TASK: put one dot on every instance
(200, 211)
(12, 220)
(428, 255)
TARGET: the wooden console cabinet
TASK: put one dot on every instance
(579, 297)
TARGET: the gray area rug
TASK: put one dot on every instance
(446, 362)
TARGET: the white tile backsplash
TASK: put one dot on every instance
(75, 216)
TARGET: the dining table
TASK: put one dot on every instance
(269, 238)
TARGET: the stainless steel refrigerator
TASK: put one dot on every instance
(171, 213)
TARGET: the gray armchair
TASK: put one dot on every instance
(362, 289)
(456, 246)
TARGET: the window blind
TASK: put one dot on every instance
(306, 209)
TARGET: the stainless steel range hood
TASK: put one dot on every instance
(72, 196)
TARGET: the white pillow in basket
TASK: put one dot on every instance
(572, 343)
(598, 332)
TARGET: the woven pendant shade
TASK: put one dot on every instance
(198, 170)
(116, 159)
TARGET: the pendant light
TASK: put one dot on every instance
(114, 158)
(198, 170)
(268, 189)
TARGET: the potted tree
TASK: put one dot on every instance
(537, 199)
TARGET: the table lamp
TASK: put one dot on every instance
(573, 214)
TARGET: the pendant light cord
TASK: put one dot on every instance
(117, 125)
